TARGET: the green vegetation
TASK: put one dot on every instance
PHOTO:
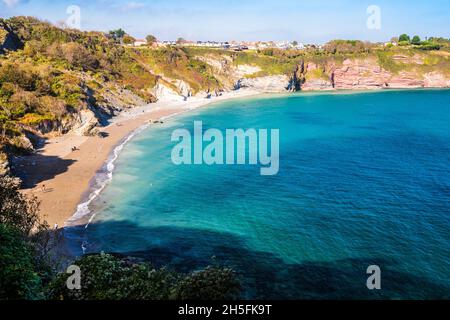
(416, 40)
(386, 61)
(105, 277)
(270, 61)
(117, 35)
(48, 75)
(348, 46)
(128, 39)
(179, 63)
(414, 59)
(151, 39)
(431, 44)
(318, 73)
(19, 278)
(404, 38)
(24, 245)
(56, 73)
(28, 265)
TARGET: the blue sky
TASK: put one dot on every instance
(302, 20)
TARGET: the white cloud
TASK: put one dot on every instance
(11, 3)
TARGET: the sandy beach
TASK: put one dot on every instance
(60, 177)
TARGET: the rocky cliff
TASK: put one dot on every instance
(354, 73)
(54, 81)
(367, 74)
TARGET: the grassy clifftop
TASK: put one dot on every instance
(48, 75)
(55, 73)
(415, 60)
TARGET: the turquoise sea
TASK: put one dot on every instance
(364, 180)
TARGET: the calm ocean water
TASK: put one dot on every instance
(364, 179)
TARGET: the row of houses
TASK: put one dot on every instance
(246, 45)
(233, 45)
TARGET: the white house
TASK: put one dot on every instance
(140, 42)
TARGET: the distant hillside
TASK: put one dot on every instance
(53, 81)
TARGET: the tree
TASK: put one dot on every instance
(151, 39)
(78, 56)
(117, 35)
(416, 40)
(210, 284)
(16, 210)
(404, 38)
(128, 39)
(347, 46)
(19, 277)
(295, 43)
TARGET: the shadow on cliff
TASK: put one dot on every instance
(263, 275)
(37, 168)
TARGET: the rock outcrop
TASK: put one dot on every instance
(278, 83)
(367, 74)
(350, 74)
(164, 93)
(4, 164)
(85, 123)
(436, 80)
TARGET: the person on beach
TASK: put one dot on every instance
(43, 188)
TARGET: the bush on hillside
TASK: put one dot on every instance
(105, 277)
(16, 210)
(19, 277)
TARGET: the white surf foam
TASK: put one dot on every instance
(101, 180)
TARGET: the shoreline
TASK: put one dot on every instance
(63, 180)
(56, 167)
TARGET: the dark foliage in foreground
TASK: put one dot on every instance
(27, 265)
(16, 210)
(105, 277)
(19, 276)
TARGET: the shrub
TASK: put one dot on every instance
(430, 46)
(78, 56)
(14, 73)
(16, 210)
(404, 38)
(213, 283)
(128, 39)
(151, 39)
(416, 40)
(19, 277)
(347, 46)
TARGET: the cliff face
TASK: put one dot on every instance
(54, 81)
(350, 74)
(276, 83)
(4, 164)
(367, 74)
